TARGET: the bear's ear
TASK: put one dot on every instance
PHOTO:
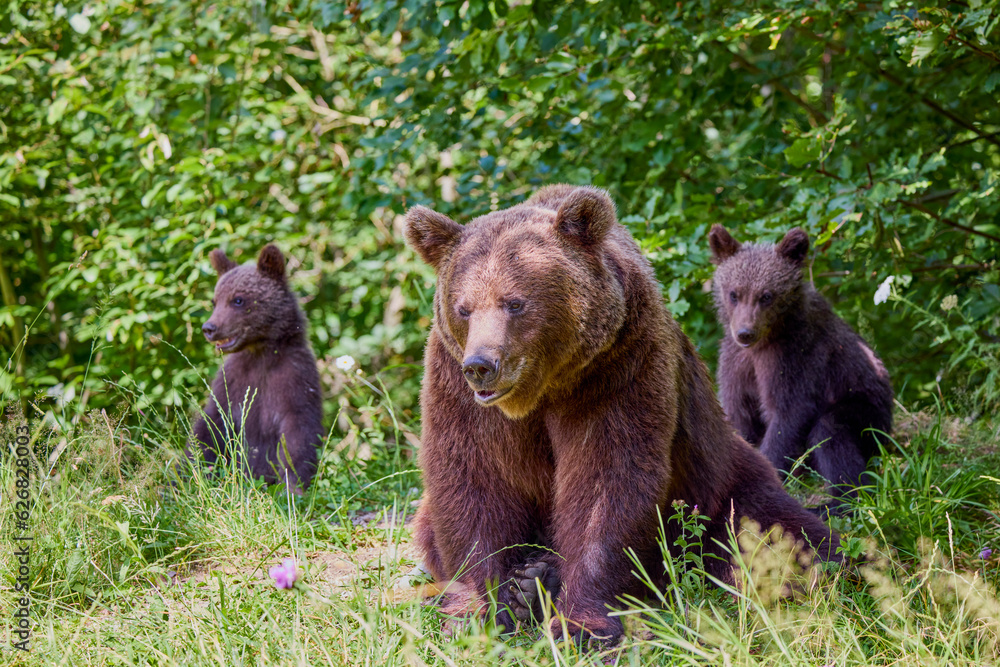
(795, 246)
(271, 262)
(432, 235)
(722, 244)
(220, 262)
(587, 215)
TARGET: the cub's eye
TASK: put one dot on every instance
(238, 301)
(732, 297)
(766, 297)
(464, 312)
(515, 306)
(213, 303)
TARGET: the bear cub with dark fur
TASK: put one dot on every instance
(793, 375)
(268, 386)
(564, 408)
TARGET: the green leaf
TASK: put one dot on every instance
(991, 82)
(56, 110)
(802, 151)
(924, 45)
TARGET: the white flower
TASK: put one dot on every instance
(949, 302)
(345, 363)
(883, 291)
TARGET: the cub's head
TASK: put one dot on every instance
(755, 284)
(252, 303)
(525, 297)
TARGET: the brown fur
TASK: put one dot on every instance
(793, 375)
(607, 418)
(269, 367)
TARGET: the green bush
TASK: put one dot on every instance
(138, 136)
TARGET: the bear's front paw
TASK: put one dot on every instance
(458, 603)
(524, 600)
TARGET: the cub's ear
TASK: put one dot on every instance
(795, 246)
(220, 262)
(587, 215)
(722, 244)
(271, 262)
(432, 235)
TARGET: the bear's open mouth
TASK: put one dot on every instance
(489, 396)
(224, 343)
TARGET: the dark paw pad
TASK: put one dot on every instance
(525, 602)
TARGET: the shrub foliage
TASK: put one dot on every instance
(137, 136)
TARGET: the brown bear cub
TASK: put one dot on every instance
(793, 375)
(563, 407)
(268, 390)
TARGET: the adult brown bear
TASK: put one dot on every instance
(563, 407)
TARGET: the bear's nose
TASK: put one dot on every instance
(745, 336)
(479, 369)
(208, 329)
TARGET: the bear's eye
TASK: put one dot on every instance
(766, 297)
(732, 297)
(213, 303)
(515, 306)
(464, 312)
(238, 301)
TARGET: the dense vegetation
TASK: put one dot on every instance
(136, 136)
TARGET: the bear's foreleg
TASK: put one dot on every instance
(738, 394)
(298, 451)
(785, 439)
(838, 457)
(611, 474)
(479, 528)
(743, 411)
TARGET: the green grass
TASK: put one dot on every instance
(131, 568)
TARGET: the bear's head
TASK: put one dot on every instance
(756, 284)
(526, 296)
(252, 304)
